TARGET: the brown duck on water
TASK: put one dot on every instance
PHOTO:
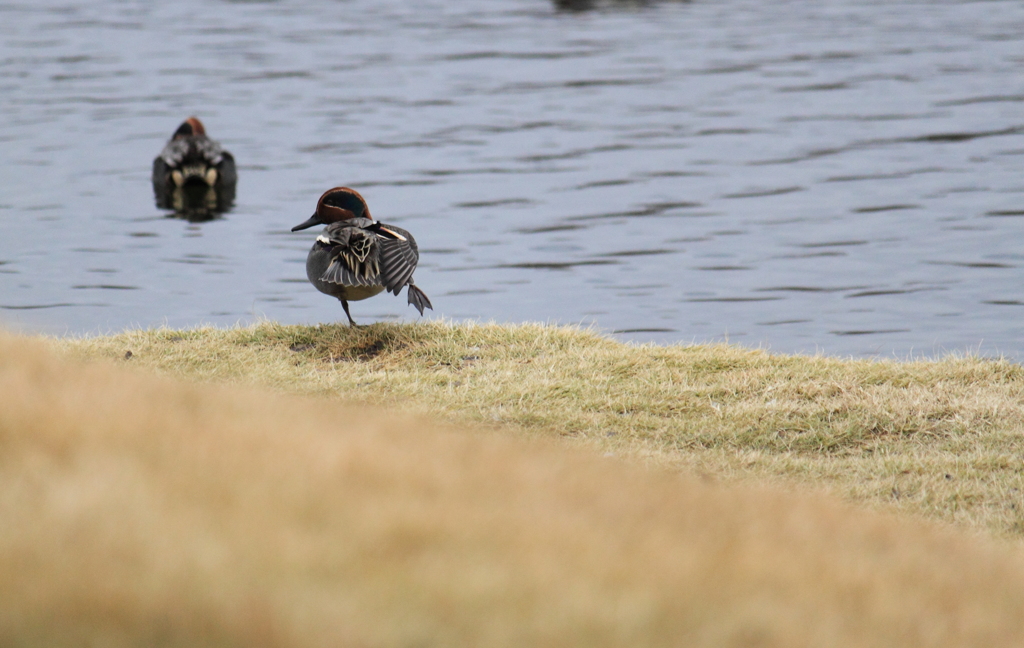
(357, 257)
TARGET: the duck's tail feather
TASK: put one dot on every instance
(418, 298)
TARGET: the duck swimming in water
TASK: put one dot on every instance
(193, 175)
(192, 158)
(357, 257)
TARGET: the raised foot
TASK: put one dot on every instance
(419, 299)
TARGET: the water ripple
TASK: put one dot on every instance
(843, 181)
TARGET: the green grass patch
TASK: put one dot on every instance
(943, 438)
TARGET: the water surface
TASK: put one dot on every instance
(837, 176)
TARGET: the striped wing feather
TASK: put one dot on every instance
(356, 257)
(398, 258)
(338, 273)
(367, 255)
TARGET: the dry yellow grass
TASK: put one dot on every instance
(940, 438)
(137, 510)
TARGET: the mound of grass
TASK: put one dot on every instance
(138, 510)
(943, 438)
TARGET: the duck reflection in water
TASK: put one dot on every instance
(193, 176)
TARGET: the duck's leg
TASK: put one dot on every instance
(344, 304)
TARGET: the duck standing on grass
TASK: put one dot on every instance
(356, 257)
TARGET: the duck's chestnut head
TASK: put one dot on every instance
(191, 126)
(338, 204)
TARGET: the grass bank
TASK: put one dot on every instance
(944, 438)
(139, 510)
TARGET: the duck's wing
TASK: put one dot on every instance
(368, 253)
(160, 171)
(355, 253)
(398, 256)
(228, 174)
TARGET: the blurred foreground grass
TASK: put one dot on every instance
(139, 510)
(941, 438)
